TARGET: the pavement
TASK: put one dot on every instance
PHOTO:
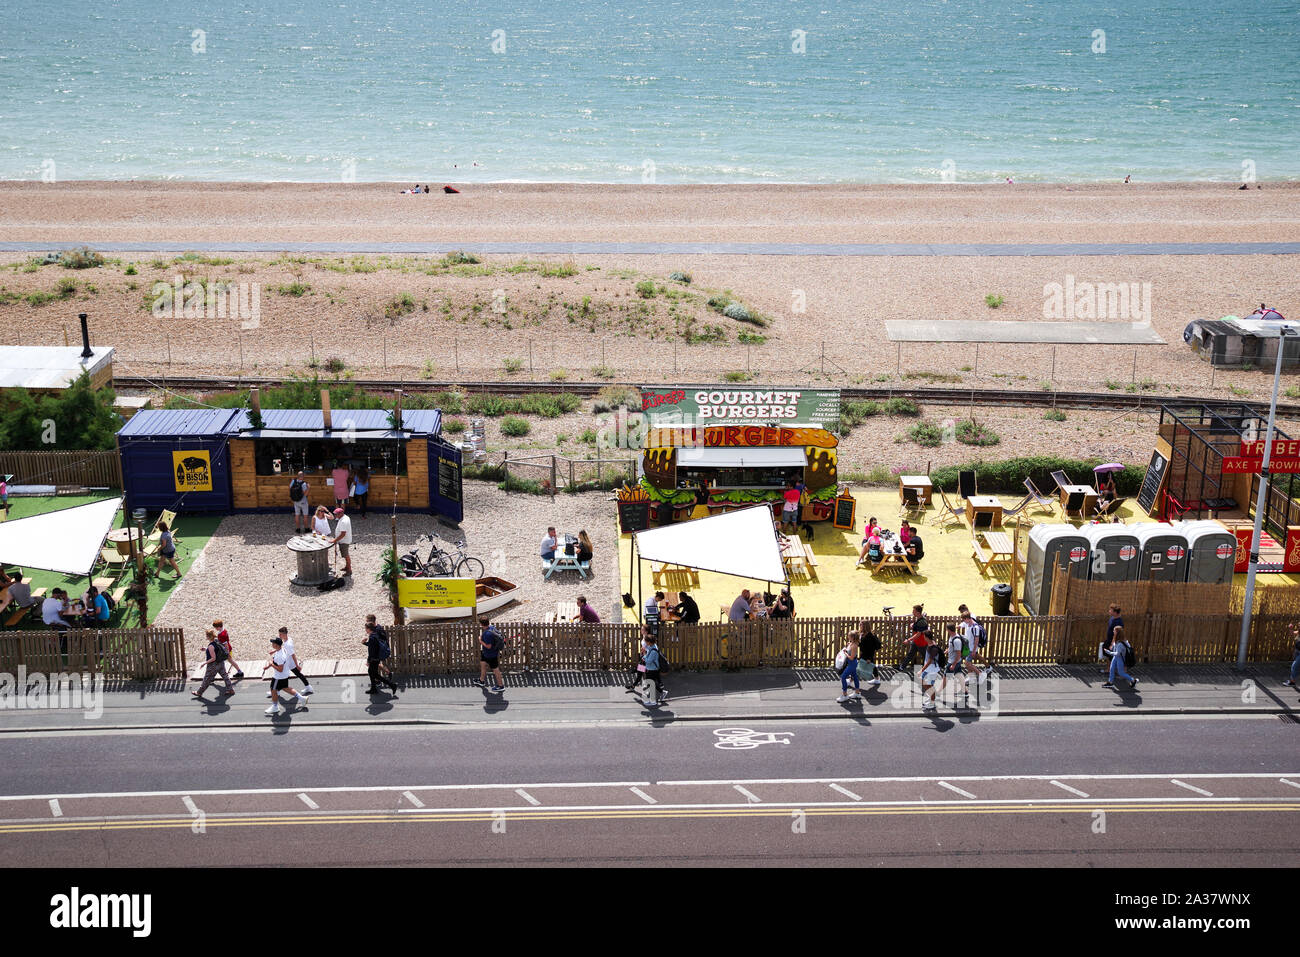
(575, 697)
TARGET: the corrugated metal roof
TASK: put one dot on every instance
(176, 422)
(419, 421)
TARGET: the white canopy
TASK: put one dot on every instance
(741, 457)
(66, 541)
(741, 543)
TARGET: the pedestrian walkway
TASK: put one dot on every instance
(1017, 691)
(702, 249)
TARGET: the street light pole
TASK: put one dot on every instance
(1261, 503)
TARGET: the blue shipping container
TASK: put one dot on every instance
(177, 460)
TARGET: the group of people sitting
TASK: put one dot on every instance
(878, 542)
(752, 606)
(660, 608)
(14, 591)
(581, 546)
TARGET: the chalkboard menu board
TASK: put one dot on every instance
(449, 484)
(844, 510)
(1152, 482)
(633, 516)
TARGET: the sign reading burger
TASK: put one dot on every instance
(710, 449)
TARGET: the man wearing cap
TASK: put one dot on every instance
(280, 663)
(343, 539)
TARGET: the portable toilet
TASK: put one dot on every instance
(1050, 546)
(1211, 552)
(1113, 553)
(1162, 552)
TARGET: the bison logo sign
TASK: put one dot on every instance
(193, 471)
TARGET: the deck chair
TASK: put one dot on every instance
(1060, 478)
(1019, 507)
(966, 485)
(1040, 500)
(911, 503)
(946, 512)
(170, 519)
(1110, 509)
(1074, 504)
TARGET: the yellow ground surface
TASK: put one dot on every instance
(947, 577)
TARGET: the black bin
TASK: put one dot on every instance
(1001, 599)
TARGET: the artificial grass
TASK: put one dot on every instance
(193, 532)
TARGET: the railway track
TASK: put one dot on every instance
(977, 397)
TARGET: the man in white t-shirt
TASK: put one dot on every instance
(295, 666)
(280, 664)
(343, 539)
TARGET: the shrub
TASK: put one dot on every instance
(131, 270)
(562, 271)
(740, 313)
(992, 301)
(513, 483)
(458, 257)
(513, 365)
(932, 376)
(1054, 415)
(603, 371)
(1008, 475)
(970, 432)
(451, 403)
(484, 473)
(706, 333)
(515, 427)
(453, 426)
(719, 303)
(66, 287)
(747, 338)
(587, 437)
(559, 375)
(646, 289)
(925, 433)
(399, 306)
(83, 258)
(613, 397)
(683, 277)
(296, 289)
(901, 406)
(334, 365)
(737, 376)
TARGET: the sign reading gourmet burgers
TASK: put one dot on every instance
(711, 405)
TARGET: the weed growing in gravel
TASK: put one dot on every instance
(737, 376)
(925, 433)
(295, 289)
(1054, 415)
(400, 306)
(970, 432)
(515, 427)
(453, 426)
(603, 371)
(513, 365)
(992, 301)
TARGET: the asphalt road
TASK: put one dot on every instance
(1172, 792)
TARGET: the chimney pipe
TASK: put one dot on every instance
(325, 409)
(86, 351)
(255, 400)
(397, 393)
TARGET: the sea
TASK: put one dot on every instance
(656, 91)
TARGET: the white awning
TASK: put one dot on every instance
(741, 543)
(66, 541)
(735, 458)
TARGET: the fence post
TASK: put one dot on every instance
(530, 355)
(597, 470)
(554, 478)
(505, 468)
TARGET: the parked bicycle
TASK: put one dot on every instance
(438, 563)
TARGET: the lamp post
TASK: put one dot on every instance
(1261, 502)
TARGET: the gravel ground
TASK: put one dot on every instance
(243, 574)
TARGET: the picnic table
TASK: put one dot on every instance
(564, 558)
(892, 552)
(977, 505)
(919, 482)
(797, 556)
(997, 547)
(1089, 497)
(682, 575)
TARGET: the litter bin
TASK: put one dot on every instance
(1001, 599)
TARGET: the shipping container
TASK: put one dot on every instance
(177, 459)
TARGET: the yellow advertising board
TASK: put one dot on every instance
(436, 592)
(193, 470)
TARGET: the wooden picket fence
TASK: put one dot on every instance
(134, 653)
(1158, 637)
(88, 469)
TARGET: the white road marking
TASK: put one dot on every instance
(189, 804)
(308, 801)
(749, 796)
(846, 792)
(1292, 783)
(986, 777)
(1066, 787)
(643, 796)
(527, 797)
(342, 789)
(955, 789)
(412, 798)
(1191, 787)
(54, 807)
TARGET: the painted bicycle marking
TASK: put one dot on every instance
(742, 739)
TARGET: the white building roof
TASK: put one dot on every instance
(48, 367)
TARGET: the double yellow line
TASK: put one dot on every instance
(516, 815)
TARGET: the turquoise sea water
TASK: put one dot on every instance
(685, 92)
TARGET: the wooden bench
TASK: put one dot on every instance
(18, 614)
(983, 556)
(810, 560)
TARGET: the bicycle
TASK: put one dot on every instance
(440, 564)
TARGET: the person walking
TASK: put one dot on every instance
(489, 659)
(343, 539)
(930, 672)
(361, 489)
(223, 637)
(919, 639)
(342, 478)
(956, 647)
(639, 675)
(296, 664)
(977, 639)
(1120, 650)
(846, 664)
(377, 652)
(215, 656)
(1295, 662)
(1115, 620)
(167, 549)
(279, 663)
(301, 507)
(869, 650)
(653, 673)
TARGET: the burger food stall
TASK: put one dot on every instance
(708, 450)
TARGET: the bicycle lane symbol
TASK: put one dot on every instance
(742, 739)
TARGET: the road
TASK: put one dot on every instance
(1170, 792)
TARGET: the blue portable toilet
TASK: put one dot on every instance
(176, 459)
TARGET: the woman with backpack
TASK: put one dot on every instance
(1121, 659)
(930, 672)
(653, 672)
(846, 666)
(216, 656)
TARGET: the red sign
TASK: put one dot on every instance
(1078, 553)
(1175, 552)
(1243, 549)
(1239, 465)
(1127, 553)
(1224, 551)
(1282, 449)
